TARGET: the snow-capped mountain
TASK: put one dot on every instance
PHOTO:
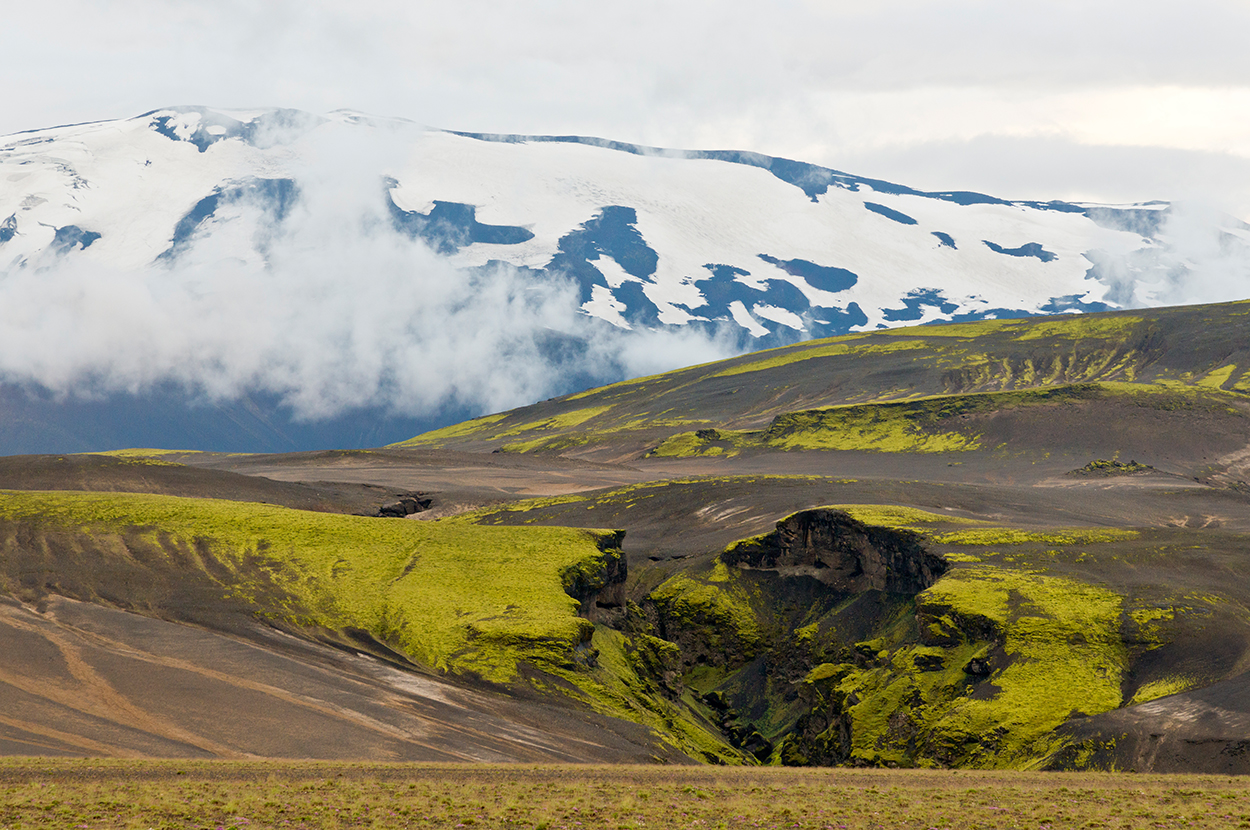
(652, 237)
(747, 249)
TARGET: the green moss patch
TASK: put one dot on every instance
(1217, 378)
(842, 346)
(552, 431)
(561, 441)
(1150, 623)
(1078, 327)
(1163, 687)
(890, 427)
(466, 429)
(1064, 656)
(452, 595)
(145, 455)
(720, 609)
(987, 537)
(1004, 657)
(897, 516)
(897, 427)
(557, 443)
(628, 680)
(561, 420)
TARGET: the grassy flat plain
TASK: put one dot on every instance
(217, 795)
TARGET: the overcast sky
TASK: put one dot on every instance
(1109, 101)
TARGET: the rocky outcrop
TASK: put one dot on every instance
(741, 733)
(1102, 468)
(599, 587)
(822, 734)
(845, 554)
(405, 505)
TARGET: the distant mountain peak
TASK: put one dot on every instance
(582, 260)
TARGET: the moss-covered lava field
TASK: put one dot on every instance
(1008, 545)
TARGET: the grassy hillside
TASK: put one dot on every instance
(897, 390)
(451, 596)
(509, 606)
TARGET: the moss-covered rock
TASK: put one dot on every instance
(712, 623)
(1103, 468)
(835, 549)
(1017, 654)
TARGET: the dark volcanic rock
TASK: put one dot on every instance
(978, 667)
(1102, 468)
(406, 505)
(741, 734)
(600, 591)
(843, 553)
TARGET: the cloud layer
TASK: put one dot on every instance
(850, 85)
(329, 310)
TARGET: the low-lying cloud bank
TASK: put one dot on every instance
(1207, 260)
(328, 309)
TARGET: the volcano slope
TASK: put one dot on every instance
(1017, 543)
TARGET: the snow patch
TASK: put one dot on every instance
(613, 273)
(743, 318)
(778, 315)
(606, 307)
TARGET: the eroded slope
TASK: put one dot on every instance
(512, 608)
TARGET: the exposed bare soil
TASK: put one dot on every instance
(79, 679)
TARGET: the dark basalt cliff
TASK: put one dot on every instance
(842, 553)
(600, 589)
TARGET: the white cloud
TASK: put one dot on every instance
(817, 79)
(335, 312)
